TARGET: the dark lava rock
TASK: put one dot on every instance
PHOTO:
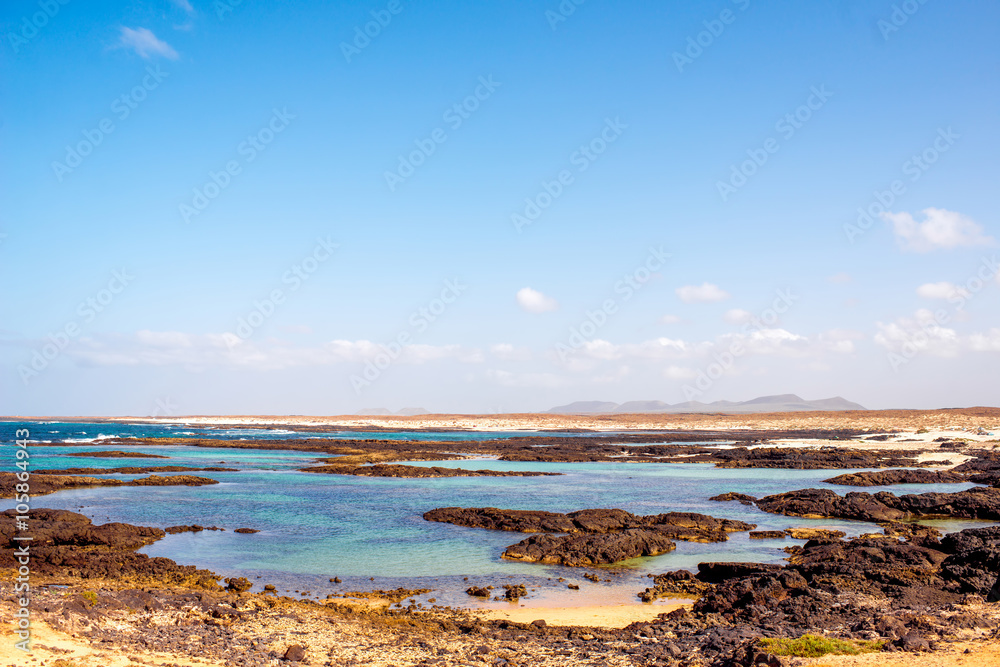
(593, 536)
(515, 592)
(888, 477)
(975, 503)
(295, 653)
(194, 528)
(802, 458)
(238, 584)
(714, 573)
(974, 560)
(398, 470)
(246, 531)
(492, 518)
(68, 544)
(478, 592)
(116, 454)
(824, 503)
(732, 495)
(680, 583)
(767, 535)
(589, 549)
(821, 534)
(44, 484)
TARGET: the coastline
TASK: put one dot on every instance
(133, 609)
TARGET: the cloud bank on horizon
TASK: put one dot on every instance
(200, 214)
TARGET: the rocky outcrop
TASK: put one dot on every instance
(45, 484)
(822, 534)
(116, 454)
(193, 528)
(887, 477)
(732, 495)
(128, 470)
(491, 518)
(974, 561)
(581, 550)
(396, 470)
(975, 503)
(824, 503)
(805, 458)
(767, 535)
(684, 525)
(592, 536)
(68, 544)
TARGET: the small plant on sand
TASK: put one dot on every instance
(814, 646)
(922, 430)
(89, 596)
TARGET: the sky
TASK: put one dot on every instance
(239, 207)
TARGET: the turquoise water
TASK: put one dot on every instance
(314, 527)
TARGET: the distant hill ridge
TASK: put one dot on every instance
(776, 403)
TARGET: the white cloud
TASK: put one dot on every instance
(198, 352)
(679, 373)
(145, 43)
(185, 5)
(840, 278)
(737, 316)
(507, 352)
(508, 379)
(942, 290)
(939, 229)
(988, 342)
(534, 301)
(705, 292)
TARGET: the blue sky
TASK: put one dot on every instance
(644, 110)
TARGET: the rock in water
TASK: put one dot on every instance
(590, 549)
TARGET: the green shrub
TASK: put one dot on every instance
(89, 596)
(814, 646)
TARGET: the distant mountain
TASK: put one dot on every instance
(584, 407)
(411, 412)
(776, 403)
